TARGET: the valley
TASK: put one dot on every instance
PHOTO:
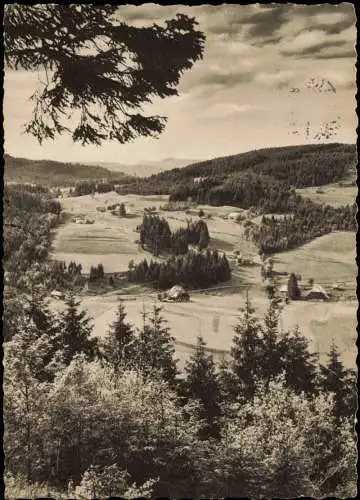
(91, 233)
(111, 241)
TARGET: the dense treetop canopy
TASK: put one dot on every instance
(99, 71)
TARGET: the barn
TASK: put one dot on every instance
(178, 294)
(317, 293)
(236, 216)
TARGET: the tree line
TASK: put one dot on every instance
(156, 236)
(298, 166)
(308, 221)
(305, 219)
(29, 216)
(83, 188)
(194, 269)
(114, 415)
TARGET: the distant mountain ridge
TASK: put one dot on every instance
(299, 165)
(146, 168)
(49, 172)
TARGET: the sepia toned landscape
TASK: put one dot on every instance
(180, 327)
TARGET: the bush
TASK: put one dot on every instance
(111, 481)
(18, 487)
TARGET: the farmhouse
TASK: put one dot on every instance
(339, 287)
(236, 216)
(55, 294)
(177, 293)
(283, 291)
(317, 293)
(197, 180)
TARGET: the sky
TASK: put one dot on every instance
(272, 75)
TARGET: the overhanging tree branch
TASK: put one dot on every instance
(92, 59)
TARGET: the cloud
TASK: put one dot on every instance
(322, 10)
(222, 110)
(149, 12)
(334, 23)
(279, 79)
(220, 78)
(314, 42)
(266, 22)
(346, 53)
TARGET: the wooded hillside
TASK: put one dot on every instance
(298, 166)
(53, 173)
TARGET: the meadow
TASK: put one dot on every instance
(111, 240)
(330, 194)
(327, 260)
(214, 317)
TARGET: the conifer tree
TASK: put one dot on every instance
(156, 347)
(74, 333)
(293, 288)
(299, 364)
(46, 324)
(202, 385)
(128, 68)
(39, 312)
(119, 346)
(334, 378)
(227, 385)
(203, 239)
(271, 361)
(246, 351)
(122, 210)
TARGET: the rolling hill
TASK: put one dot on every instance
(46, 172)
(301, 166)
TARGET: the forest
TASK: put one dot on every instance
(266, 180)
(308, 221)
(54, 173)
(82, 188)
(271, 421)
(29, 214)
(298, 166)
(156, 236)
(305, 221)
(194, 270)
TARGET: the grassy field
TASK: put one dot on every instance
(213, 317)
(111, 240)
(331, 194)
(328, 259)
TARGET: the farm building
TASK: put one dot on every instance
(283, 290)
(178, 293)
(55, 294)
(317, 293)
(339, 287)
(197, 180)
(236, 216)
